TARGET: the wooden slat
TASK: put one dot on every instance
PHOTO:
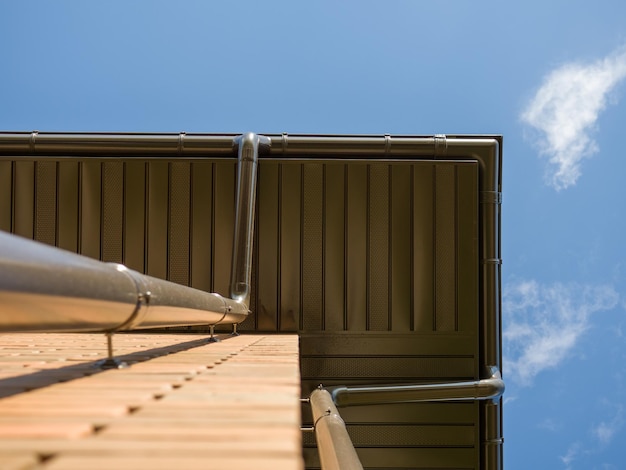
(183, 403)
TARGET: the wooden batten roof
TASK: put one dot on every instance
(183, 403)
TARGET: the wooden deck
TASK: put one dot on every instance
(183, 403)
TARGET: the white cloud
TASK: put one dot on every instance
(571, 455)
(603, 433)
(509, 399)
(550, 425)
(565, 110)
(606, 430)
(542, 323)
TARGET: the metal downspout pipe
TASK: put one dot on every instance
(490, 389)
(490, 201)
(46, 289)
(248, 146)
(488, 153)
(335, 448)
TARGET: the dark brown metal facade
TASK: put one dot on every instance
(377, 257)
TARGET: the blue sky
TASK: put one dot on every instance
(549, 76)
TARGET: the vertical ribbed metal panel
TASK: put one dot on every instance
(6, 195)
(339, 246)
(410, 238)
(400, 244)
(223, 217)
(90, 183)
(24, 198)
(179, 222)
(290, 213)
(112, 211)
(335, 224)
(378, 247)
(268, 227)
(423, 259)
(312, 246)
(157, 209)
(135, 214)
(46, 202)
(445, 248)
(356, 248)
(467, 264)
(201, 224)
(68, 197)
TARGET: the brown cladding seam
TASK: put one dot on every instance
(101, 211)
(301, 280)
(146, 181)
(190, 216)
(323, 257)
(124, 213)
(368, 260)
(434, 239)
(57, 203)
(389, 234)
(412, 249)
(456, 249)
(279, 214)
(168, 224)
(212, 259)
(345, 246)
(12, 205)
(79, 227)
